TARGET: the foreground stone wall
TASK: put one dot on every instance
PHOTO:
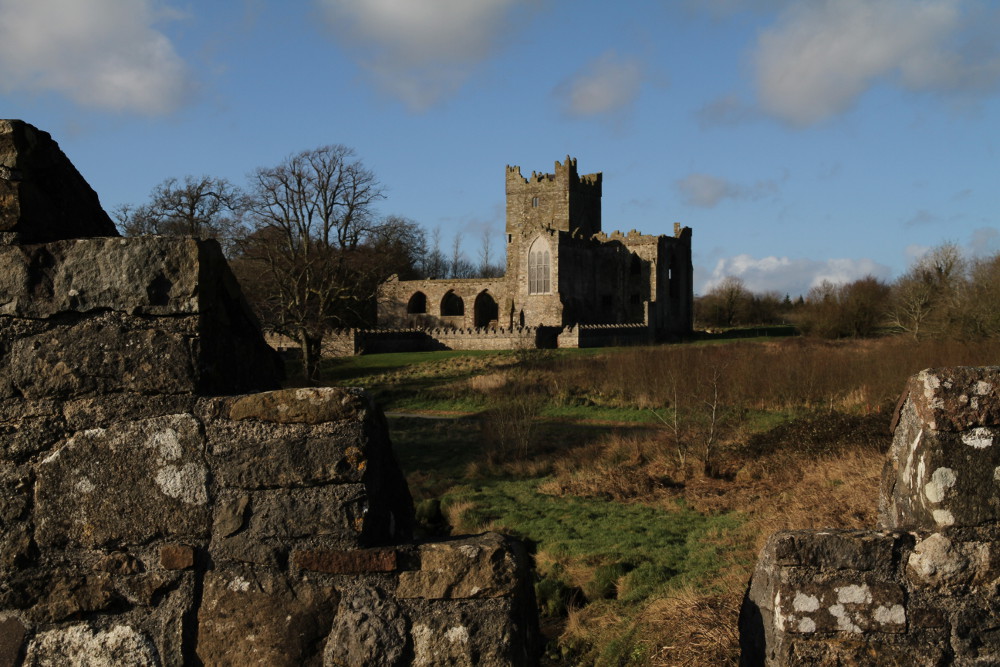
(154, 512)
(263, 529)
(920, 590)
(150, 315)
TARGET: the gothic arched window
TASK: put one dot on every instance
(538, 268)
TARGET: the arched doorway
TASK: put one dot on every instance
(485, 310)
(452, 305)
(417, 305)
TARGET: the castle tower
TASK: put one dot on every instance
(564, 200)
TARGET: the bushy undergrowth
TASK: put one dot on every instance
(645, 533)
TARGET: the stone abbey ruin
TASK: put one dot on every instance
(163, 502)
(567, 283)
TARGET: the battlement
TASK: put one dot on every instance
(564, 172)
(562, 200)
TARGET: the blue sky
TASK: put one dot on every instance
(801, 141)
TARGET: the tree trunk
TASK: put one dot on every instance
(311, 353)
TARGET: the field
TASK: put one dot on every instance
(646, 479)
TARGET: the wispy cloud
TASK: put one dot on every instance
(707, 191)
(726, 110)
(984, 242)
(604, 86)
(103, 54)
(792, 276)
(421, 51)
(819, 57)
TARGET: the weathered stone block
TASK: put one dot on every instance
(42, 195)
(471, 633)
(255, 455)
(370, 628)
(935, 479)
(253, 617)
(332, 514)
(484, 566)
(80, 645)
(308, 405)
(126, 484)
(176, 556)
(356, 561)
(138, 276)
(81, 358)
(271, 441)
(139, 292)
(11, 641)
(858, 550)
(958, 398)
(808, 585)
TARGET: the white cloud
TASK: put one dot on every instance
(706, 191)
(821, 56)
(421, 50)
(792, 276)
(608, 84)
(102, 54)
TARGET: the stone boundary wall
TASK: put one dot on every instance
(605, 335)
(348, 342)
(922, 588)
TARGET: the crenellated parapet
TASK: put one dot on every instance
(563, 200)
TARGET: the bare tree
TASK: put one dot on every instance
(434, 264)
(203, 207)
(459, 266)
(487, 269)
(725, 303)
(926, 298)
(308, 214)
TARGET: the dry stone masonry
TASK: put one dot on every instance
(163, 502)
(922, 588)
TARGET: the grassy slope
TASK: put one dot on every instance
(642, 557)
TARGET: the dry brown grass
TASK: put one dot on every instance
(794, 373)
(777, 480)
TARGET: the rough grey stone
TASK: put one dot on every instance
(470, 633)
(12, 633)
(125, 484)
(484, 566)
(113, 314)
(936, 479)
(370, 629)
(42, 195)
(87, 358)
(80, 646)
(250, 616)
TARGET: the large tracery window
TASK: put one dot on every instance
(538, 268)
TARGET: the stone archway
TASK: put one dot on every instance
(452, 305)
(417, 305)
(485, 310)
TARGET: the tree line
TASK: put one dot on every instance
(305, 241)
(942, 294)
